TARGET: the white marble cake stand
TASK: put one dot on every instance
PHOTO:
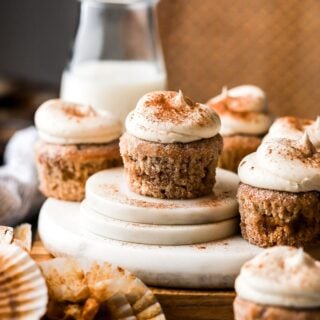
(108, 194)
(208, 265)
(106, 227)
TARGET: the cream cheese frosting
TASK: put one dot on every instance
(284, 165)
(243, 110)
(293, 128)
(281, 276)
(60, 122)
(169, 117)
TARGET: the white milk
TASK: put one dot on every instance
(115, 86)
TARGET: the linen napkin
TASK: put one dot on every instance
(19, 195)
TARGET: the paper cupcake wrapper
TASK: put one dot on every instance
(23, 291)
(120, 307)
(76, 280)
(20, 236)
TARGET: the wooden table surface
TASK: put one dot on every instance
(178, 304)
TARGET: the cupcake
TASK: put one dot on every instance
(281, 283)
(75, 142)
(244, 121)
(294, 128)
(171, 146)
(279, 194)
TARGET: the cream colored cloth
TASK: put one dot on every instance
(19, 196)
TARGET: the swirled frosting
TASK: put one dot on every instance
(169, 117)
(61, 122)
(242, 110)
(293, 128)
(281, 276)
(284, 165)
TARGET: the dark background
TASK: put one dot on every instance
(35, 38)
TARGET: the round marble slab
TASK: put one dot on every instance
(101, 225)
(107, 193)
(208, 265)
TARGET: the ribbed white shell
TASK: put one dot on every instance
(23, 291)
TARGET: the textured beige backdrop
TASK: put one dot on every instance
(272, 43)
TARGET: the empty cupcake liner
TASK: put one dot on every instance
(77, 280)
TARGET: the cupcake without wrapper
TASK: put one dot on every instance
(171, 146)
(75, 142)
(294, 128)
(279, 194)
(280, 283)
(244, 120)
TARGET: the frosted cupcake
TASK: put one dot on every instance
(294, 128)
(279, 194)
(281, 283)
(171, 146)
(75, 142)
(244, 120)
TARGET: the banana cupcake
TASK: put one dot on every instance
(294, 128)
(171, 146)
(244, 121)
(279, 194)
(75, 142)
(281, 283)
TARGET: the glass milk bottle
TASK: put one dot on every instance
(116, 57)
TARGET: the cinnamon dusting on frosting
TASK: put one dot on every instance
(242, 110)
(302, 150)
(294, 128)
(230, 107)
(173, 107)
(297, 123)
(306, 146)
(283, 164)
(61, 122)
(169, 117)
(78, 111)
(283, 276)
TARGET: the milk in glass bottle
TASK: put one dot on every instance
(116, 56)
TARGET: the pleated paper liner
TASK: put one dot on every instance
(20, 235)
(83, 289)
(23, 291)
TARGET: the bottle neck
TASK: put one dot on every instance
(117, 31)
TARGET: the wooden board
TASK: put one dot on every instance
(177, 304)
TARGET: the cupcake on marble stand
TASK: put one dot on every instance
(75, 142)
(171, 146)
(281, 283)
(165, 194)
(244, 121)
(279, 194)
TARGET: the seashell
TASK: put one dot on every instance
(79, 280)
(23, 291)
